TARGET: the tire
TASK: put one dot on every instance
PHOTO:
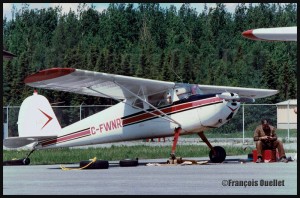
(220, 155)
(26, 161)
(128, 162)
(98, 164)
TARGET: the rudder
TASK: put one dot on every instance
(37, 118)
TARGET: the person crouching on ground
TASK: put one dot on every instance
(266, 138)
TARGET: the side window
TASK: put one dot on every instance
(138, 103)
(165, 100)
(160, 99)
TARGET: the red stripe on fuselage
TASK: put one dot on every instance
(171, 109)
(68, 137)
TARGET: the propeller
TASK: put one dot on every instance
(247, 100)
(228, 96)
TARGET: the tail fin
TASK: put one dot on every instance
(37, 118)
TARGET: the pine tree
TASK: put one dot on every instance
(126, 66)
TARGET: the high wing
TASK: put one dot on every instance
(117, 86)
(241, 91)
(95, 83)
(272, 34)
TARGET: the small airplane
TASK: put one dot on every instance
(146, 109)
(272, 34)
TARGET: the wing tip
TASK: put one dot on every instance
(48, 74)
(249, 34)
(271, 92)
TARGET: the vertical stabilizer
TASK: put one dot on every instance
(37, 118)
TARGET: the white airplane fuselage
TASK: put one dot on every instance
(123, 122)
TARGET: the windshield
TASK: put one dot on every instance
(185, 90)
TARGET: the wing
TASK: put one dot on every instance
(86, 82)
(272, 34)
(241, 91)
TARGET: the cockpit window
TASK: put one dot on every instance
(195, 89)
(160, 99)
(186, 90)
(180, 91)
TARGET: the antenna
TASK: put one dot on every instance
(176, 74)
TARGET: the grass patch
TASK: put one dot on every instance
(66, 155)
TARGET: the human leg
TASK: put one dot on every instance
(279, 146)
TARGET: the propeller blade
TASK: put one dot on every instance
(247, 100)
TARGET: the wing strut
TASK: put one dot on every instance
(168, 118)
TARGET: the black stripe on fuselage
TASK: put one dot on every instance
(50, 139)
(182, 101)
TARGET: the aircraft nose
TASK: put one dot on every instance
(249, 34)
(227, 96)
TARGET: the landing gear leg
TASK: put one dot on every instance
(217, 154)
(30, 153)
(176, 135)
(26, 160)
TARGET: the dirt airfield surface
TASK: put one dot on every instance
(235, 176)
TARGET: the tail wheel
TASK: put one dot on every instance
(98, 164)
(26, 161)
(129, 162)
(218, 156)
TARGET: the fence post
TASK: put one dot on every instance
(7, 118)
(288, 116)
(7, 114)
(243, 123)
(80, 110)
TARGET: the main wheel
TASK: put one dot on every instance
(219, 155)
(98, 164)
(129, 162)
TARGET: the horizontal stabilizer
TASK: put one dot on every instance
(16, 142)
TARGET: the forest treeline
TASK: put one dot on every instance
(150, 41)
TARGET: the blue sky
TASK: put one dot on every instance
(100, 6)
